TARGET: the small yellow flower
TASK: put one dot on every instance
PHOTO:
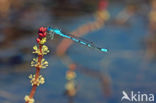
(40, 80)
(35, 63)
(36, 50)
(35, 47)
(44, 40)
(70, 75)
(70, 85)
(45, 50)
(44, 63)
(28, 99)
(30, 76)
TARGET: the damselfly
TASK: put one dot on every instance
(52, 32)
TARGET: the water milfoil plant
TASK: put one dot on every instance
(39, 63)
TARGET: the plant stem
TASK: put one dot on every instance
(34, 87)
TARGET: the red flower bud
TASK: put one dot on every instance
(41, 29)
(38, 40)
(45, 34)
(44, 30)
(40, 34)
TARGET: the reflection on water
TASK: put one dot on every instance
(101, 78)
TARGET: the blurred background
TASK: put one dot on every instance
(126, 27)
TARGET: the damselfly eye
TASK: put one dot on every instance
(51, 34)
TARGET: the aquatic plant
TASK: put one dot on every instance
(70, 86)
(39, 63)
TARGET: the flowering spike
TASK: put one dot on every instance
(39, 63)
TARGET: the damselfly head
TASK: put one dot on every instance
(51, 36)
(50, 33)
